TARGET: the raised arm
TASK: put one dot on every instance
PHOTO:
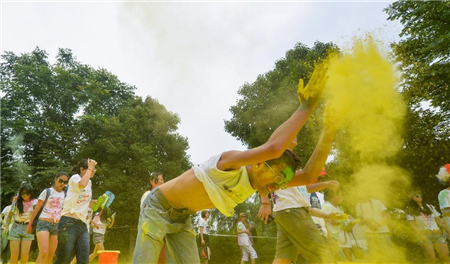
(317, 187)
(282, 137)
(87, 175)
(332, 121)
(316, 162)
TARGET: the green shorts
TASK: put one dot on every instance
(18, 232)
(298, 234)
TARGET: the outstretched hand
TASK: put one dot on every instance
(310, 95)
(332, 185)
(337, 216)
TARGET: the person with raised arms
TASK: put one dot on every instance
(226, 180)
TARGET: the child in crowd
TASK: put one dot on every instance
(101, 221)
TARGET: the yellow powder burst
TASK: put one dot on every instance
(362, 95)
(362, 88)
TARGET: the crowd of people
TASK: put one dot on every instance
(59, 218)
(319, 230)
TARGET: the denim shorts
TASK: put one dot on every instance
(19, 232)
(435, 237)
(98, 238)
(52, 228)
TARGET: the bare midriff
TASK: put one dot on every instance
(50, 220)
(186, 191)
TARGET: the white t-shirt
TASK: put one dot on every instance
(373, 211)
(77, 200)
(5, 213)
(226, 189)
(144, 196)
(28, 208)
(243, 238)
(53, 208)
(101, 226)
(444, 199)
(202, 223)
(292, 197)
(336, 230)
(425, 222)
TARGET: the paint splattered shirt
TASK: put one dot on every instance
(28, 208)
(78, 199)
(444, 199)
(53, 208)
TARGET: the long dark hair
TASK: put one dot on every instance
(105, 215)
(27, 188)
(82, 164)
(413, 208)
(153, 177)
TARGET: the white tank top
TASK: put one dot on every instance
(226, 189)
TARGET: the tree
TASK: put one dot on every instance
(40, 108)
(141, 138)
(424, 58)
(53, 115)
(271, 99)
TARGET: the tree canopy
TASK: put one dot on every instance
(423, 55)
(54, 115)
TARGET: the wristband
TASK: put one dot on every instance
(266, 203)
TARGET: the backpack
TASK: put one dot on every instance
(34, 224)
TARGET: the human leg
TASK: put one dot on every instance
(15, 247)
(94, 254)
(67, 235)
(348, 254)
(443, 252)
(25, 251)
(82, 243)
(53, 244)
(43, 238)
(245, 255)
(297, 232)
(428, 252)
(181, 246)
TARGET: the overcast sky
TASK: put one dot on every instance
(192, 57)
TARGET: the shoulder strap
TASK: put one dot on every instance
(46, 197)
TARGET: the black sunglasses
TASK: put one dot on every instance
(62, 181)
(25, 193)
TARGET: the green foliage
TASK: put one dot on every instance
(424, 53)
(53, 115)
(272, 98)
(423, 56)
